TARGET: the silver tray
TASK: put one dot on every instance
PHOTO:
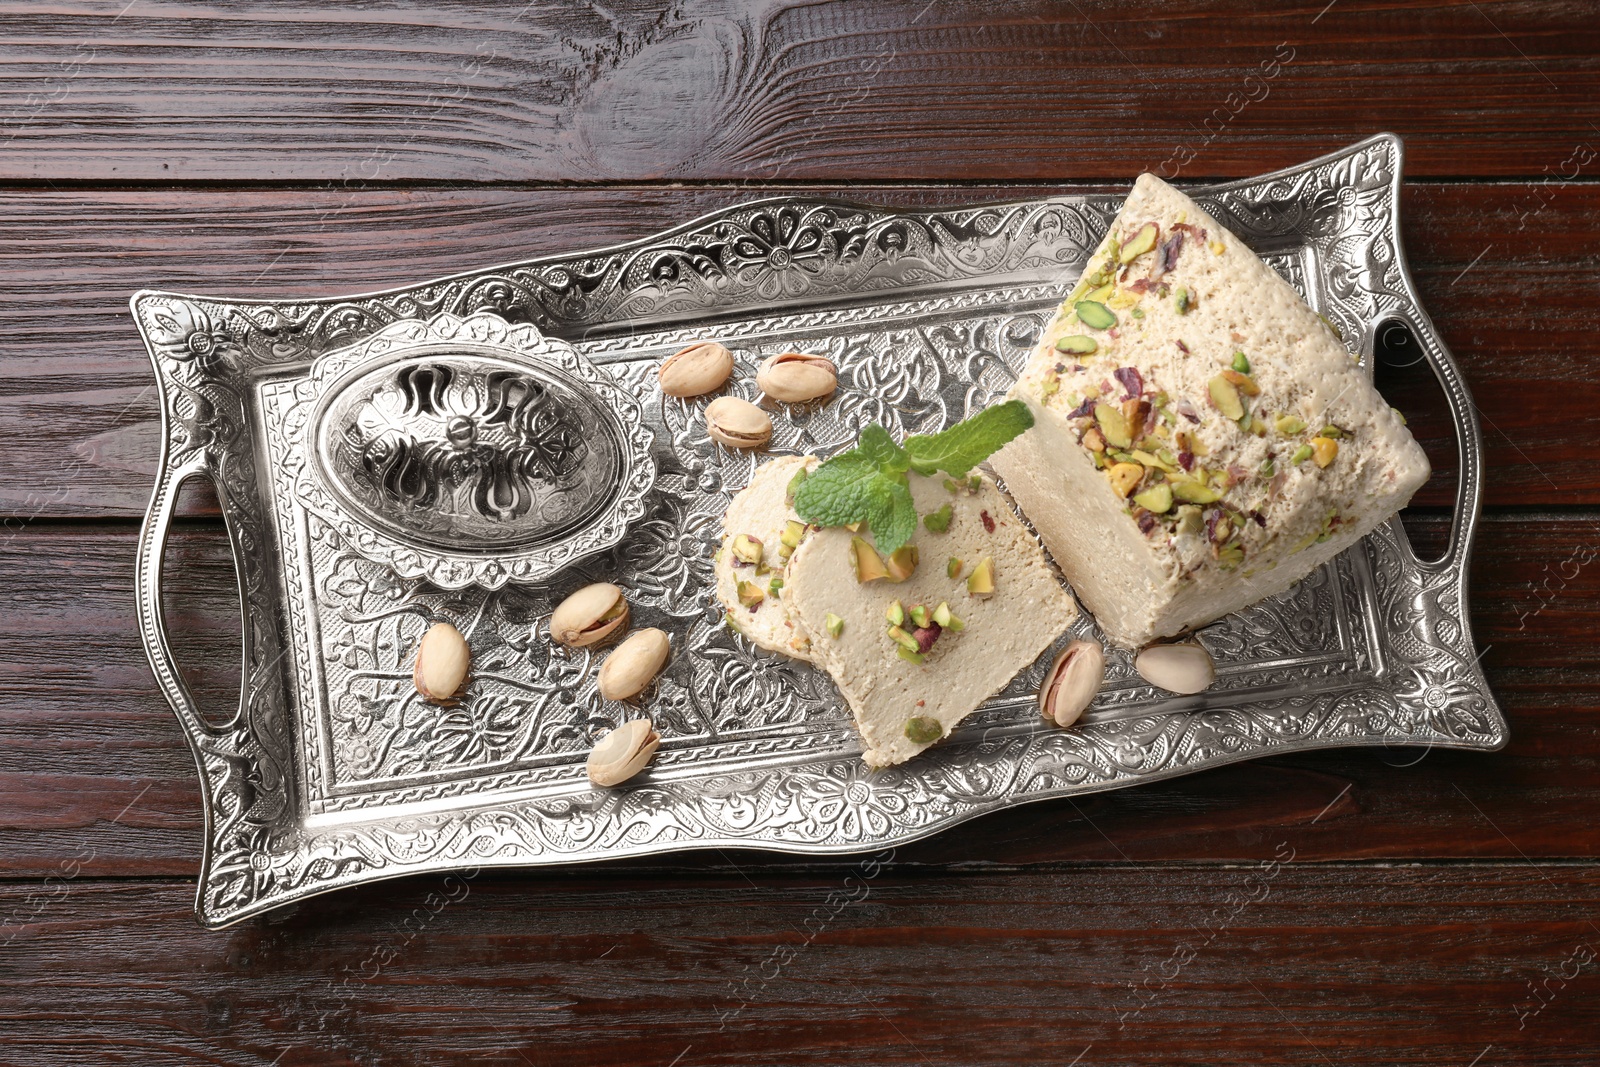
(330, 772)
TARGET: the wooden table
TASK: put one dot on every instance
(1439, 908)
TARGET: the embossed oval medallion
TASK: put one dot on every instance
(459, 450)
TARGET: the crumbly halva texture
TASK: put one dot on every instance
(754, 589)
(1202, 439)
(905, 700)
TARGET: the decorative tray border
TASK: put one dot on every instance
(326, 775)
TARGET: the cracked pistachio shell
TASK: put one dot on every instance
(634, 664)
(1071, 683)
(737, 423)
(796, 377)
(443, 660)
(701, 368)
(590, 616)
(623, 752)
(1184, 668)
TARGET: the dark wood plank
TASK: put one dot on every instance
(77, 407)
(1273, 962)
(651, 89)
(91, 758)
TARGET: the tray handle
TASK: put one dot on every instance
(1469, 442)
(147, 586)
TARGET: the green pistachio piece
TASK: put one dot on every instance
(795, 483)
(952, 569)
(1301, 454)
(1078, 344)
(1137, 312)
(903, 639)
(908, 655)
(750, 594)
(747, 549)
(1190, 519)
(1289, 425)
(1139, 243)
(1330, 431)
(1194, 492)
(1049, 387)
(895, 613)
(924, 731)
(1095, 315)
(773, 586)
(1267, 467)
(1157, 498)
(1240, 363)
(919, 615)
(1113, 425)
(834, 624)
(1182, 302)
(938, 521)
(1225, 395)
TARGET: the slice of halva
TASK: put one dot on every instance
(1201, 440)
(901, 706)
(752, 573)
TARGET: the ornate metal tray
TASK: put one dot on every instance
(331, 772)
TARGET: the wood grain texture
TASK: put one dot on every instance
(1272, 962)
(1025, 89)
(77, 401)
(91, 758)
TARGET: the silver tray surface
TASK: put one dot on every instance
(330, 772)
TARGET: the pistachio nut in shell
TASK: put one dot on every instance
(1071, 682)
(1184, 667)
(633, 665)
(623, 752)
(443, 660)
(737, 423)
(796, 377)
(590, 616)
(703, 367)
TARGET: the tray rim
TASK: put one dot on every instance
(1452, 566)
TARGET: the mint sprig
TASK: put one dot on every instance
(868, 483)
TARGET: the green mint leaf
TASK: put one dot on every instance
(968, 443)
(840, 491)
(895, 520)
(878, 446)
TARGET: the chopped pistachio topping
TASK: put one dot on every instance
(795, 483)
(1301, 454)
(1194, 492)
(1183, 301)
(1324, 449)
(981, 581)
(747, 548)
(895, 613)
(924, 731)
(1241, 363)
(1289, 425)
(908, 655)
(869, 565)
(906, 641)
(1078, 344)
(834, 624)
(902, 563)
(750, 594)
(919, 615)
(938, 521)
(1140, 243)
(1158, 498)
(1225, 395)
(952, 568)
(773, 586)
(1094, 314)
